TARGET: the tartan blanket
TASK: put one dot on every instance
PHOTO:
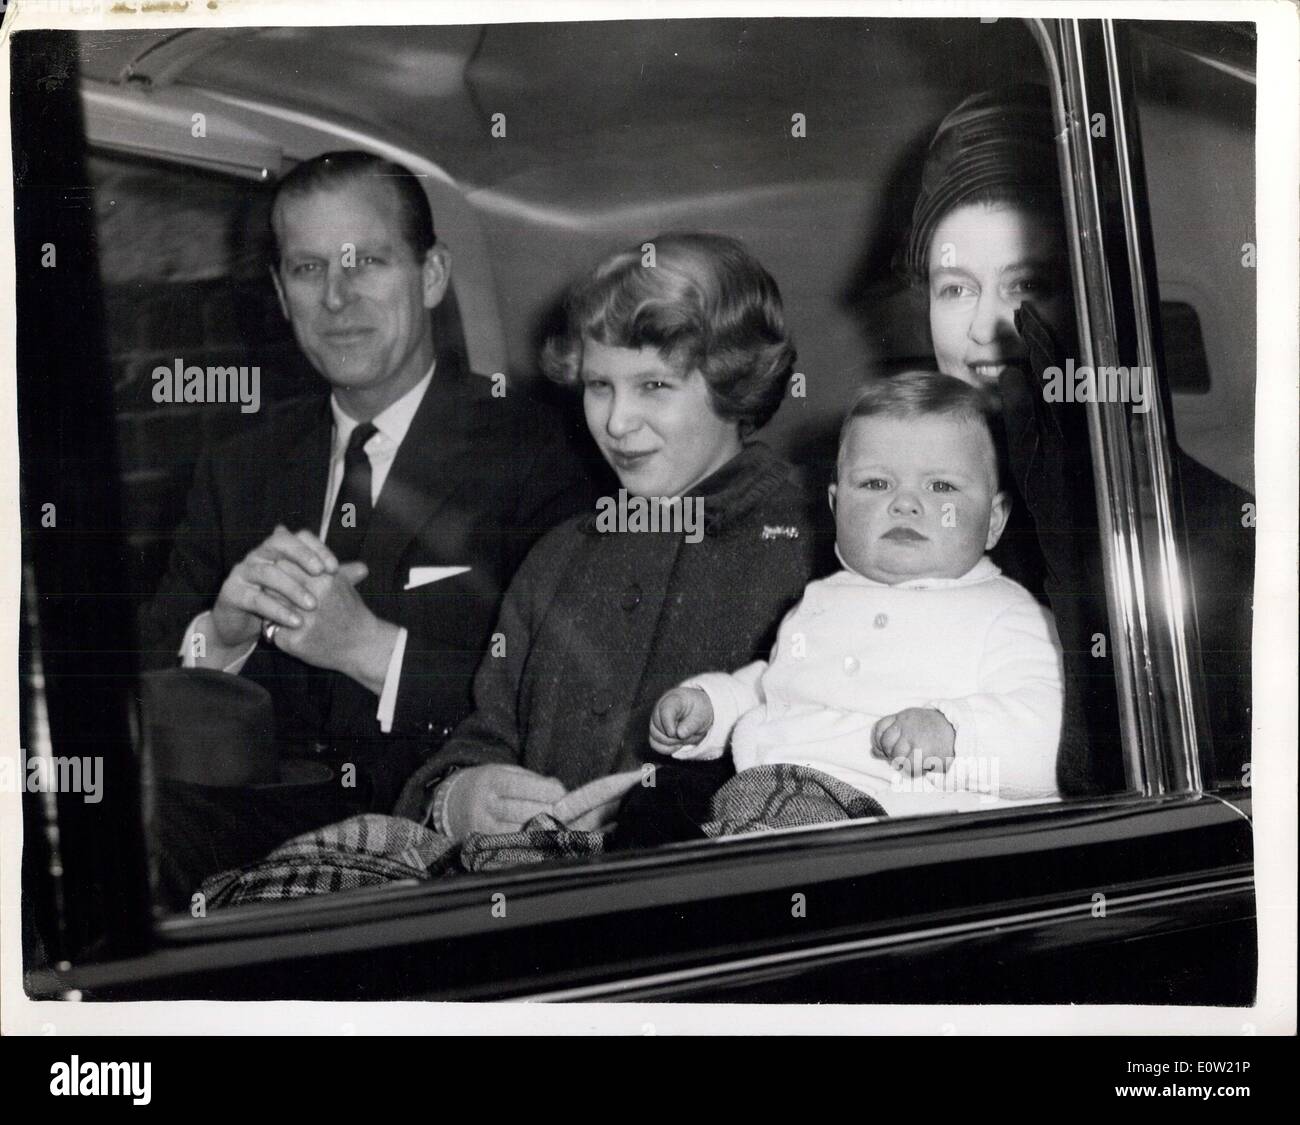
(781, 796)
(363, 851)
(373, 850)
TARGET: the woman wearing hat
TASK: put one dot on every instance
(680, 359)
(987, 244)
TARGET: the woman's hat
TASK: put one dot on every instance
(999, 138)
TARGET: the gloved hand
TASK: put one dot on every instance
(1047, 441)
(494, 798)
(1051, 465)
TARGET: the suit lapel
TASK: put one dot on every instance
(429, 467)
(306, 472)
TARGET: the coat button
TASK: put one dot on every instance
(631, 597)
(881, 620)
(601, 705)
(851, 665)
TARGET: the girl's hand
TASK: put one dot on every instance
(496, 798)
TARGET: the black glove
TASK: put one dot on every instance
(1051, 464)
(1048, 446)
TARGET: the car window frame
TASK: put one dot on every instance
(417, 936)
(1162, 765)
(1164, 733)
(1098, 292)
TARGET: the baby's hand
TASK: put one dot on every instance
(682, 717)
(916, 740)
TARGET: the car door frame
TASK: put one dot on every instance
(940, 896)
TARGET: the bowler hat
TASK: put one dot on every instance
(208, 727)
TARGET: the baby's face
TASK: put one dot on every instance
(916, 497)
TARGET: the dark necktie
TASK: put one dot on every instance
(351, 515)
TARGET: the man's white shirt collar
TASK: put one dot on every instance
(392, 422)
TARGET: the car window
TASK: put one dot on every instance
(820, 186)
(182, 260)
(1195, 91)
(1190, 110)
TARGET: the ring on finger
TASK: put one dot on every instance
(269, 630)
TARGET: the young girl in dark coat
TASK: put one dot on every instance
(681, 354)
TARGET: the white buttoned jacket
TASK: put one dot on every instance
(978, 648)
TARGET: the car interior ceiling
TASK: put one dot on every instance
(621, 166)
(684, 124)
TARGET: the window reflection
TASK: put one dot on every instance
(876, 265)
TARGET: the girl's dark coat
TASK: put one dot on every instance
(597, 625)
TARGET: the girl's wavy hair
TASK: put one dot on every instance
(705, 304)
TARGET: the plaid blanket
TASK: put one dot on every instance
(363, 851)
(372, 850)
(768, 797)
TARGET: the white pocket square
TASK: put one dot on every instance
(423, 575)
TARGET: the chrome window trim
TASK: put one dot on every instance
(1183, 766)
(1131, 471)
(816, 956)
(412, 902)
(356, 921)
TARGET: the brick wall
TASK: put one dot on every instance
(182, 260)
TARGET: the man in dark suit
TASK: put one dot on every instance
(349, 554)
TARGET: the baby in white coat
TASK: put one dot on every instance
(918, 674)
